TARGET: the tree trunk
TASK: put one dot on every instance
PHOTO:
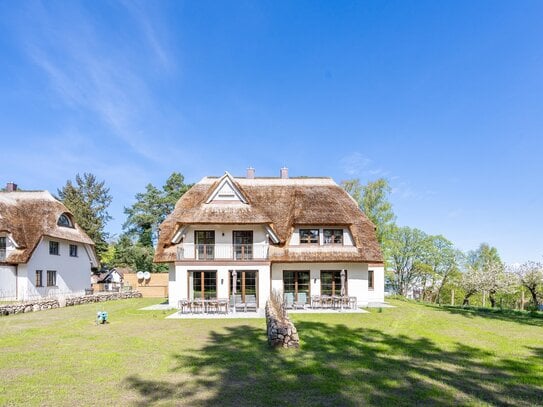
(438, 294)
(492, 299)
(534, 295)
(466, 298)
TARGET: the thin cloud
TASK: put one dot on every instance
(142, 18)
(88, 74)
(355, 163)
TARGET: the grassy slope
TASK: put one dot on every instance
(406, 355)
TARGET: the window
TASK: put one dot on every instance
(309, 236)
(296, 282)
(53, 248)
(370, 279)
(73, 250)
(51, 278)
(39, 278)
(65, 221)
(243, 244)
(203, 284)
(333, 236)
(205, 244)
(331, 282)
(246, 283)
(2, 248)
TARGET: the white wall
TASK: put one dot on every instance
(259, 233)
(295, 237)
(357, 276)
(73, 273)
(7, 283)
(179, 284)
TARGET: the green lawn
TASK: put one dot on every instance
(412, 354)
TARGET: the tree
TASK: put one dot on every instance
(134, 255)
(441, 260)
(530, 275)
(372, 199)
(88, 200)
(487, 260)
(471, 282)
(407, 252)
(151, 208)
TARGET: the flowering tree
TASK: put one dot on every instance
(471, 281)
(486, 272)
(530, 275)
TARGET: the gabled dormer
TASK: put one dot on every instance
(227, 192)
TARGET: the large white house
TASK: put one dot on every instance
(293, 235)
(43, 252)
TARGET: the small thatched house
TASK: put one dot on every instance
(296, 235)
(43, 252)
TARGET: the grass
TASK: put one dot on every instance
(412, 354)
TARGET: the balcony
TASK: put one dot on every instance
(224, 251)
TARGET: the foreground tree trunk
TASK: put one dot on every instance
(533, 291)
(492, 299)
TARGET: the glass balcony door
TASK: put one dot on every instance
(246, 283)
(205, 244)
(296, 282)
(243, 244)
(203, 284)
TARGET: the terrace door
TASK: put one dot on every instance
(243, 244)
(331, 282)
(202, 284)
(205, 244)
(296, 282)
(246, 283)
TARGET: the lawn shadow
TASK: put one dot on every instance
(340, 366)
(525, 318)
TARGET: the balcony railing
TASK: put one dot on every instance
(222, 251)
(2, 254)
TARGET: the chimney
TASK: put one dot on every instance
(250, 173)
(284, 173)
(11, 187)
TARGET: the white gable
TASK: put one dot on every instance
(227, 191)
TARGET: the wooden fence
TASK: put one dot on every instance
(155, 286)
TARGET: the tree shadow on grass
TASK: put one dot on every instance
(526, 318)
(341, 366)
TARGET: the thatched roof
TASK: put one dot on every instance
(280, 204)
(28, 216)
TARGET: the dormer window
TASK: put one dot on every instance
(333, 236)
(65, 221)
(309, 236)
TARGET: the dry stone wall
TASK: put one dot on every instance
(44, 304)
(281, 331)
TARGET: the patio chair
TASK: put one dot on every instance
(288, 300)
(184, 305)
(302, 301)
(197, 305)
(326, 301)
(353, 301)
(222, 305)
(315, 301)
(238, 303)
(250, 302)
(213, 305)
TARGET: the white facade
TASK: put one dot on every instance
(72, 273)
(269, 275)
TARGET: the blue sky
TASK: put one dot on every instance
(445, 99)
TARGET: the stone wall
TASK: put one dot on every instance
(50, 303)
(281, 331)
